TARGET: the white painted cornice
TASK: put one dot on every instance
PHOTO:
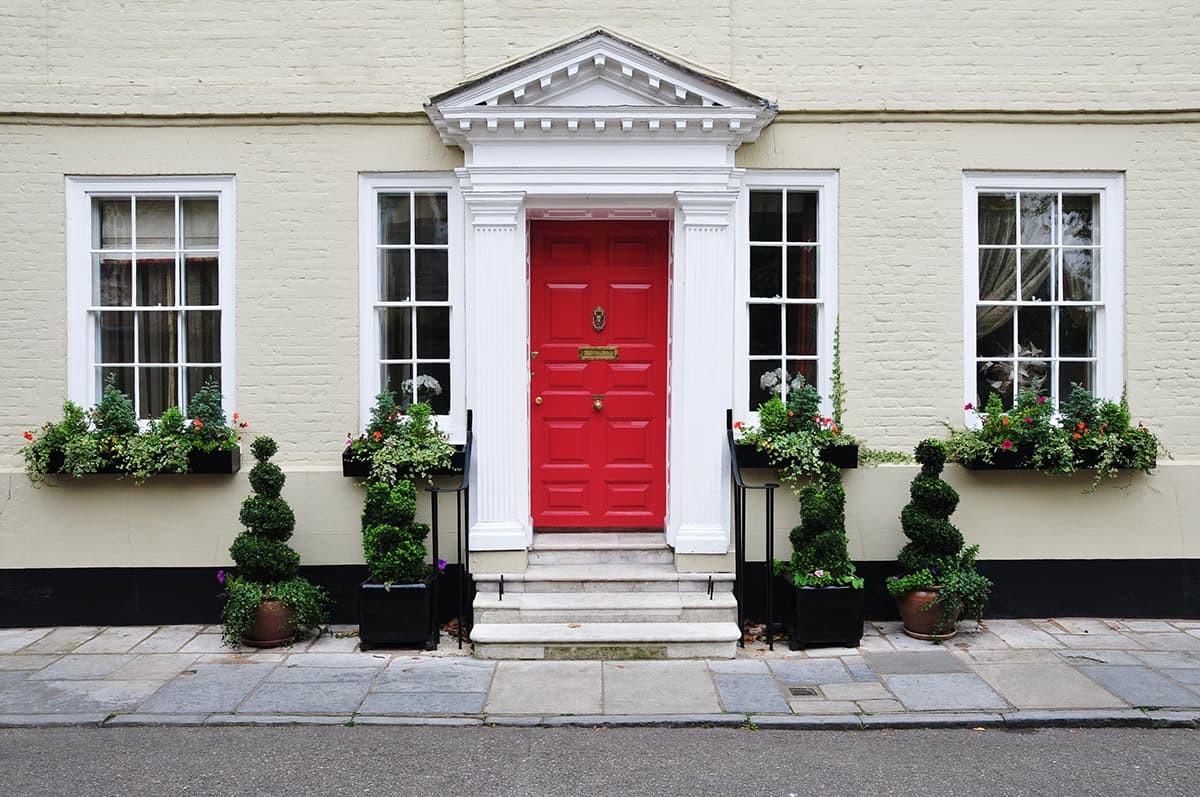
(598, 85)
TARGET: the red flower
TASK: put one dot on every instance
(739, 426)
(197, 423)
(1076, 436)
(29, 435)
(1041, 399)
(791, 414)
(1029, 420)
(1005, 421)
(235, 416)
(968, 406)
(1006, 445)
(378, 435)
(1081, 425)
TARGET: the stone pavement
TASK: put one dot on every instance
(1039, 673)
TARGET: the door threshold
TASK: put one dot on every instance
(598, 530)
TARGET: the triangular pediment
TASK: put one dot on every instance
(598, 84)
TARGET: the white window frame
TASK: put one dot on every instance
(81, 331)
(370, 187)
(1110, 349)
(825, 184)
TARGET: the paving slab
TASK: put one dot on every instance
(13, 639)
(1185, 675)
(251, 656)
(1101, 641)
(377, 660)
(303, 698)
(83, 667)
(830, 653)
(901, 662)
(1176, 640)
(204, 643)
(823, 707)
(116, 639)
(1081, 657)
(876, 642)
(1011, 656)
(63, 639)
(546, 687)
(210, 688)
(153, 666)
(26, 661)
(751, 694)
(659, 687)
(880, 706)
(872, 690)
(743, 666)
(981, 639)
(1020, 634)
(1142, 686)
(1046, 685)
(328, 643)
(1085, 625)
(810, 672)
(10, 677)
(415, 703)
(49, 697)
(436, 675)
(1168, 659)
(323, 675)
(167, 639)
(953, 691)
(1147, 626)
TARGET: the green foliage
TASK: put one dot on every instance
(804, 409)
(772, 417)
(934, 554)
(414, 451)
(837, 387)
(114, 416)
(143, 455)
(267, 566)
(393, 545)
(395, 505)
(208, 430)
(820, 557)
(242, 597)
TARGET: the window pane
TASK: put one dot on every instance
(1081, 213)
(112, 281)
(1076, 332)
(759, 393)
(801, 329)
(158, 391)
(200, 280)
(395, 333)
(1038, 215)
(1081, 275)
(766, 216)
(765, 329)
(156, 280)
(200, 223)
(998, 274)
(802, 216)
(394, 275)
(1033, 375)
(431, 218)
(116, 231)
(1080, 373)
(995, 376)
(393, 219)
(806, 368)
(156, 337)
(441, 372)
(1033, 332)
(1036, 274)
(395, 375)
(433, 333)
(124, 380)
(203, 329)
(114, 337)
(994, 331)
(997, 219)
(802, 272)
(432, 275)
(155, 223)
(196, 378)
(766, 272)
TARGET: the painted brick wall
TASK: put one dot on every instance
(245, 56)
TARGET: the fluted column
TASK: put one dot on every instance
(497, 319)
(701, 372)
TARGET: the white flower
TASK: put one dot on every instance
(421, 382)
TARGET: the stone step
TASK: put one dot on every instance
(600, 548)
(604, 578)
(605, 640)
(605, 607)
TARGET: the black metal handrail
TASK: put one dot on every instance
(462, 500)
(740, 489)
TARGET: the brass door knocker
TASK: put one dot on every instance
(598, 319)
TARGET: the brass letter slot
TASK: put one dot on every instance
(598, 352)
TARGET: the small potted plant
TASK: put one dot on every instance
(828, 595)
(267, 603)
(940, 582)
(1102, 436)
(794, 437)
(390, 421)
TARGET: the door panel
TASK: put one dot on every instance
(598, 466)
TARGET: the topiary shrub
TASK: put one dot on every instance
(393, 543)
(267, 567)
(820, 557)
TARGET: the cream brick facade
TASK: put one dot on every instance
(899, 98)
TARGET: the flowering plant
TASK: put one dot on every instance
(109, 438)
(402, 441)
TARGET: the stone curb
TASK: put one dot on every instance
(51, 720)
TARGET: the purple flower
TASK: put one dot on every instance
(221, 576)
(441, 564)
(933, 570)
(969, 406)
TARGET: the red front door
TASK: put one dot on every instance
(598, 358)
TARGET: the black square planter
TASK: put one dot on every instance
(358, 466)
(398, 615)
(826, 616)
(215, 461)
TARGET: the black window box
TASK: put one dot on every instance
(843, 456)
(357, 466)
(198, 462)
(396, 615)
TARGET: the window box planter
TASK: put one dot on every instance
(358, 467)
(1016, 459)
(826, 617)
(842, 456)
(399, 615)
(198, 462)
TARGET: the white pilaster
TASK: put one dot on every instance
(499, 387)
(701, 382)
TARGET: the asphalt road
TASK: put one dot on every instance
(633, 761)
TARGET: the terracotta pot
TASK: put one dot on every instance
(272, 628)
(919, 621)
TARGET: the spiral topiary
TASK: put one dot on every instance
(393, 543)
(819, 543)
(935, 541)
